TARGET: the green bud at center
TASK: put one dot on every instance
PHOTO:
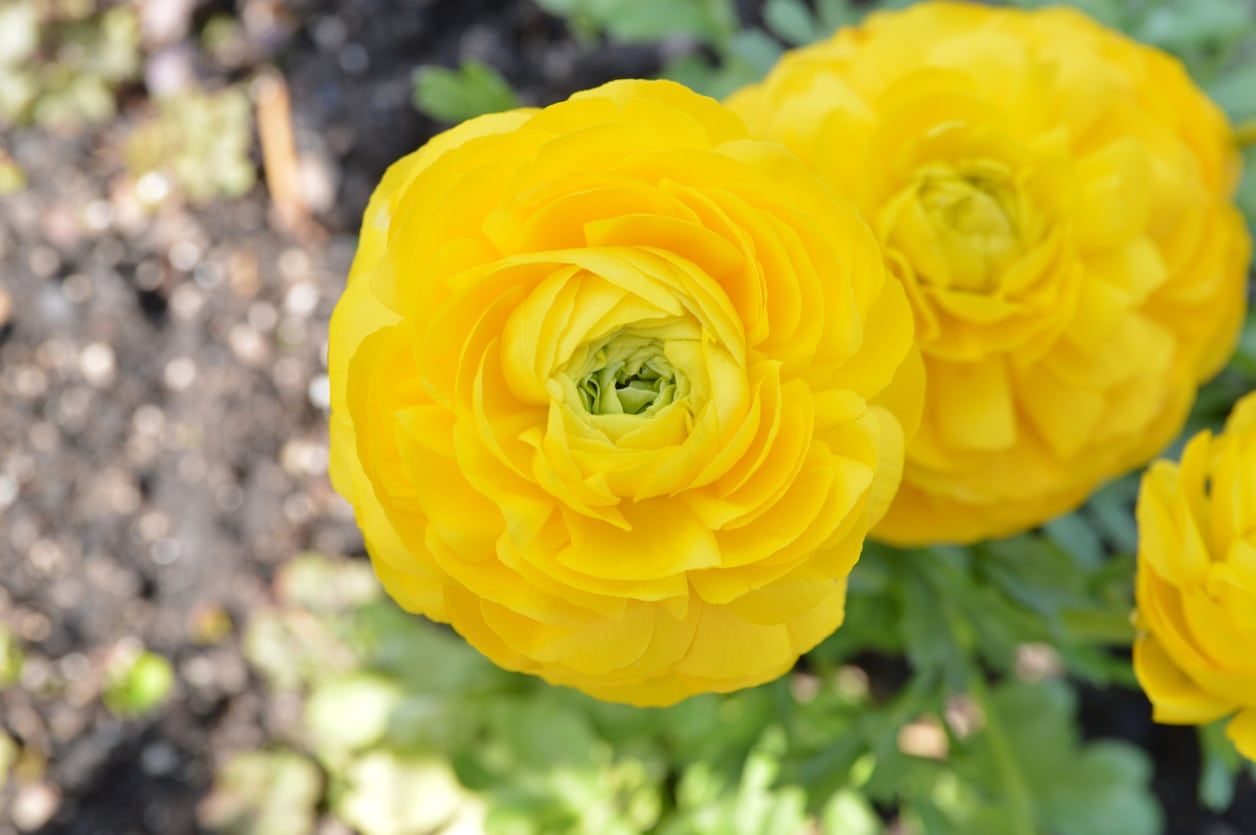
(627, 375)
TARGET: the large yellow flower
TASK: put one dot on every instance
(612, 392)
(1056, 200)
(1196, 657)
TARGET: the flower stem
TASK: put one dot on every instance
(1019, 801)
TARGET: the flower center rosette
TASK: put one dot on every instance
(1055, 199)
(617, 392)
(1196, 654)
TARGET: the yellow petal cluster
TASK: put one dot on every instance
(1196, 655)
(1056, 200)
(617, 392)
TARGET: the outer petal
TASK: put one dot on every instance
(1177, 700)
(1242, 732)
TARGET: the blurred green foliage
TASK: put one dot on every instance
(60, 67)
(406, 729)
(137, 682)
(11, 657)
(264, 793)
(200, 141)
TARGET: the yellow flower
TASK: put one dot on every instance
(1056, 200)
(1196, 656)
(616, 392)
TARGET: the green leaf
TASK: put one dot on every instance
(1094, 789)
(264, 793)
(1221, 767)
(744, 59)
(137, 683)
(542, 734)
(323, 584)
(392, 795)
(927, 631)
(758, 805)
(425, 657)
(792, 21)
(1245, 357)
(640, 21)
(834, 14)
(1233, 91)
(19, 33)
(350, 713)
(449, 95)
(1077, 538)
(755, 51)
(292, 647)
(849, 813)
(1111, 511)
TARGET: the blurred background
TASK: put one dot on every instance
(190, 639)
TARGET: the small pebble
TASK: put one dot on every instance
(98, 364)
(34, 806)
(180, 373)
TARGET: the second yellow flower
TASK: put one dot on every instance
(1056, 200)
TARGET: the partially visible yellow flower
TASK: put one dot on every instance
(1196, 656)
(1056, 200)
(618, 391)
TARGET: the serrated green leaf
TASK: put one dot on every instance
(926, 630)
(1093, 789)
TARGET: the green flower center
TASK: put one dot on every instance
(627, 375)
(961, 226)
(977, 207)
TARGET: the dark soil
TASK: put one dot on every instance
(163, 406)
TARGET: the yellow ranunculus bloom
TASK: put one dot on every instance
(618, 391)
(1056, 200)
(1196, 656)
